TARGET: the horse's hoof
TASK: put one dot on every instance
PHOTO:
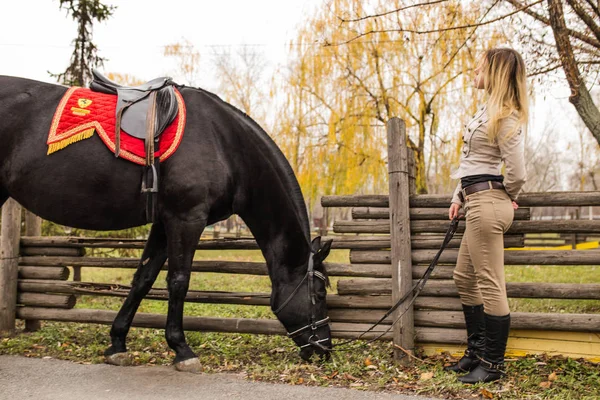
(120, 359)
(190, 365)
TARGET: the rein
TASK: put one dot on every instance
(415, 291)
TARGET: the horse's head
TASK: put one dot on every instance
(301, 304)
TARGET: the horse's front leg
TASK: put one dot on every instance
(183, 238)
(153, 258)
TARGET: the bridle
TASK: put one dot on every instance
(313, 324)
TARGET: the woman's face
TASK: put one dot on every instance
(478, 80)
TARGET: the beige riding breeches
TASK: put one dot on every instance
(479, 272)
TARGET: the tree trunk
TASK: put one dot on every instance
(580, 96)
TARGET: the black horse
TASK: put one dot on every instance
(226, 164)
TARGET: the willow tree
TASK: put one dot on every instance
(342, 88)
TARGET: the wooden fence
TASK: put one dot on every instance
(386, 255)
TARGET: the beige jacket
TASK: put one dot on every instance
(479, 156)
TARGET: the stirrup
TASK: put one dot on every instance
(154, 188)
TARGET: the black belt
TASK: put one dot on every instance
(478, 187)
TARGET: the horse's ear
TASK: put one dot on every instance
(316, 244)
(324, 250)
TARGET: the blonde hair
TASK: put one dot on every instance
(505, 80)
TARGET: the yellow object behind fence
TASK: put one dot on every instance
(579, 246)
(522, 342)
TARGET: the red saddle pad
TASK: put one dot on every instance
(81, 112)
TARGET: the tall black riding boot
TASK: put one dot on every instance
(491, 366)
(475, 339)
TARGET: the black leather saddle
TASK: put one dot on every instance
(133, 103)
(144, 112)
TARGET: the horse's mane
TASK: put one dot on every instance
(281, 161)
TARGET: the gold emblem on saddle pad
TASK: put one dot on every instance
(82, 103)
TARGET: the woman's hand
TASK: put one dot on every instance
(515, 205)
(453, 211)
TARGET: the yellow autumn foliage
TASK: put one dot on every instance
(343, 85)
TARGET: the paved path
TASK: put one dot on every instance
(50, 379)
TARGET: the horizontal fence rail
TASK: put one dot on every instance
(547, 199)
(511, 257)
(215, 297)
(439, 287)
(339, 242)
(517, 227)
(417, 214)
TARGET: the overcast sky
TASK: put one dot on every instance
(36, 36)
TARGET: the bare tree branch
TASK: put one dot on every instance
(463, 44)
(452, 28)
(392, 11)
(544, 70)
(577, 35)
(585, 17)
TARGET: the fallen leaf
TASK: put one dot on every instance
(426, 376)
(368, 361)
(277, 350)
(545, 384)
(333, 374)
(300, 380)
(552, 377)
(486, 393)
(350, 377)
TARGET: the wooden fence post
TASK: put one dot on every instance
(33, 227)
(9, 265)
(33, 224)
(399, 181)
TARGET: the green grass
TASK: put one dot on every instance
(273, 358)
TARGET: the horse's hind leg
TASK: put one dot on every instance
(153, 258)
(183, 238)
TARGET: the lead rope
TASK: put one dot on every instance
(415, 291)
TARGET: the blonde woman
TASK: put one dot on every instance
(494, 136)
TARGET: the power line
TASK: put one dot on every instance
(420, 40)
